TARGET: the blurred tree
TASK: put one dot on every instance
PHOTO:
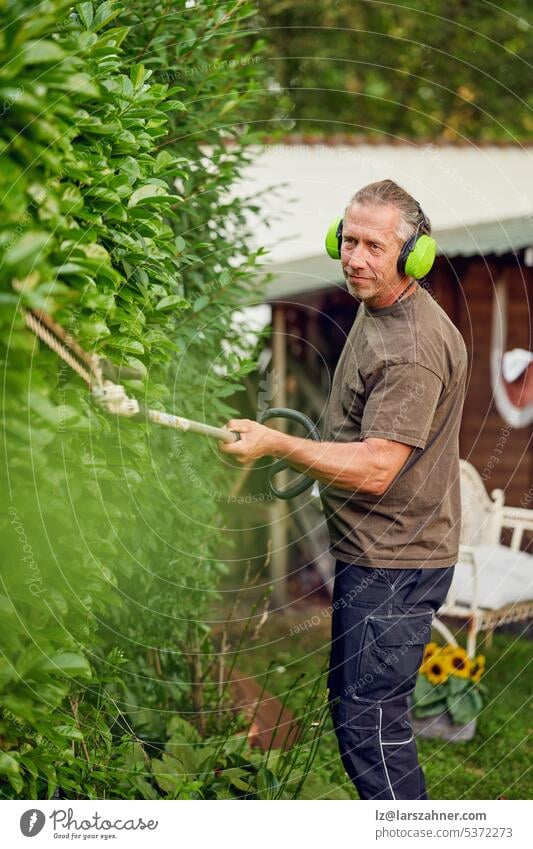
(423, 69)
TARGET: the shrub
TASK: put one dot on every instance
(115, 220)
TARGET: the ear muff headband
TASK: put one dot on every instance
(417, 254)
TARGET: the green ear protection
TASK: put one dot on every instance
(416, 256)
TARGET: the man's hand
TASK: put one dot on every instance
(256, 440)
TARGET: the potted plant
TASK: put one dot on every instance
(449, 694)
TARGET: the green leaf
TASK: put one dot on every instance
(137, 364)
(174, 106)
(163, 160)
(166, 777)
(464, 707)
(131, 168)
(149, 193)
(68, 731)
(267, 784)
(314, 787)
(79, 83)
(68, 663)
(94, 328)
(86, 14)
(105, 13)
(138, 75)
(237, 776)
(26, 250)
(8, 765)
(228, 106)
(42, 52)
(97, 127)
(200, 303)
(457, 685)
(426, 693)
(48, 411)
(433, 709)
(129, 345)
(178, 728)
(171, 301)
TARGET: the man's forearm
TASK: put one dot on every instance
(351, 465)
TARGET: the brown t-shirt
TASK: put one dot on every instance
(401, 376)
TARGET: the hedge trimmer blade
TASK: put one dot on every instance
(100, 376)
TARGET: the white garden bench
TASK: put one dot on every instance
(493, 583)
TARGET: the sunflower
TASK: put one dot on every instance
(430, 650)
(458, 662)
(477, 668)
(435, 669)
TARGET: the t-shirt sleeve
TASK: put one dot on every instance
(400, 404)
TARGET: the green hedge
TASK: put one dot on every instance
(116, 219)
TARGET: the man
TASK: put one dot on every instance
(389, 470)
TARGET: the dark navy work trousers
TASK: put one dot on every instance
(380, 625)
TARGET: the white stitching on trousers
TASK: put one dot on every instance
(383, 753)
(399, 743)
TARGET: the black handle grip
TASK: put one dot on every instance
(280, 465)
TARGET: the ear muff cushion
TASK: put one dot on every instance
(421, 258)
(333, 238)
(404, 254)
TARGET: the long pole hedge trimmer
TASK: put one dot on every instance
(101, 375)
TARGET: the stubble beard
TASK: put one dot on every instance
(370, 292)
(366, 292)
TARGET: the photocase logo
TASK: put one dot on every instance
(32, 822)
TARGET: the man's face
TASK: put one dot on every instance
(369, 251)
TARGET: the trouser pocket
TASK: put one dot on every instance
(391, 653)
(357, 730)
(378, 749)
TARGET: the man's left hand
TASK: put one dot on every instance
(256, 440)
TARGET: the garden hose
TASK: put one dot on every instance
(281, 465)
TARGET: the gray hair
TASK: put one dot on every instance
(388, 192)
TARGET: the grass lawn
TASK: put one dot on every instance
(497, 763)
